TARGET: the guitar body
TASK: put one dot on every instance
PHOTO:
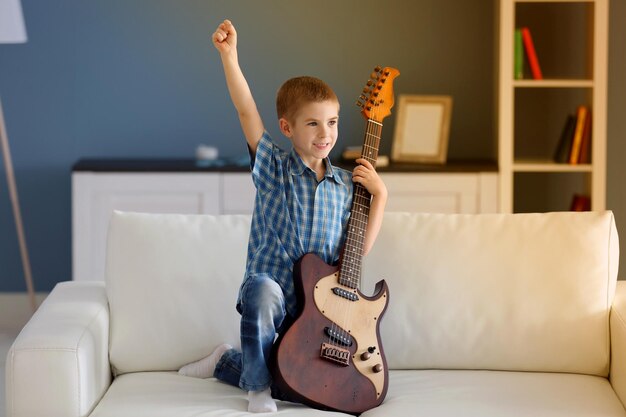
(332, 379)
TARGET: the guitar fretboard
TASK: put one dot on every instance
(352, 256)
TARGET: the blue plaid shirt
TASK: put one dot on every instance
(294, 215)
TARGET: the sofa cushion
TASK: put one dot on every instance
(528, 292)
(497, 394)
(411, 393)
(172, 283)
(162, 394)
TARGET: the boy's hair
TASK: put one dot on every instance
(296, 92)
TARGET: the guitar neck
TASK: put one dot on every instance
(352, 256)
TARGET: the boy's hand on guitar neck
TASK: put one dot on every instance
(225, 38)
(365, 174)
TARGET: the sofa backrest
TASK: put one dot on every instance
(519, 292)
(526, 292)
(172, 283)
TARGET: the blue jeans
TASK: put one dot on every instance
(262, 310)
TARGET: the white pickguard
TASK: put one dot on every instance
(360, 319)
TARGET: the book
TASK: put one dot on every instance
(580, 203)
(585, 146)
(351, 152)
(519, 56)
(531, 54)
(562, 151)
(581, 116)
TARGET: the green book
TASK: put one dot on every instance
(519, 56)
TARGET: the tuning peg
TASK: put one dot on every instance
(366, 90)
(378, 68)
(359, 104)
(374, 76)
(370, 83)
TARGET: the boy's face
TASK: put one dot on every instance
(313, 132)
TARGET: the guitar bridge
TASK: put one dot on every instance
(335, 354)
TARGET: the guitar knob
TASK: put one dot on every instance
(365, 356)
(377, 368)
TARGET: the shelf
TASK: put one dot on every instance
(571, 43)
(549, 166)
(554, 1)
(554, 83)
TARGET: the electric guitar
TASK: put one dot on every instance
(331, 356)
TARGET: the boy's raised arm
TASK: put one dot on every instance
(225, 41)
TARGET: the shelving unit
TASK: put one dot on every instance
(571, 40)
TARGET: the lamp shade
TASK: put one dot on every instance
(12, 29)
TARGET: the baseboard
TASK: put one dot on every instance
(15, 309)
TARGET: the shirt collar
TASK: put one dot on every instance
(298, 167)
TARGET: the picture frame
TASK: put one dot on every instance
(422, 129)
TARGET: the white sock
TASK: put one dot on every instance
(204, 368)
(261, 402)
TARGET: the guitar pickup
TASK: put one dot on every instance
(348, 295)
(338, 336)
(335, 354)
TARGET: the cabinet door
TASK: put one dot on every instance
(96, 195)
(438, 193)
(237, 193)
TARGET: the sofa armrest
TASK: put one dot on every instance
(59, 364)
(618, 342)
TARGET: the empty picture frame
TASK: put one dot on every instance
(422, 128)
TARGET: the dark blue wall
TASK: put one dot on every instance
(139, 78)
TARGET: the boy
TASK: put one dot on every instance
(302, 205)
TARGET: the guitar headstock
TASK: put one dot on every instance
(377, 98)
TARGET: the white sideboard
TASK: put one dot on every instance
(96, 193)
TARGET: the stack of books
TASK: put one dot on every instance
(524, 43)
(350, 153)
(574, 145)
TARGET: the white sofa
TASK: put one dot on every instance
(489, 315)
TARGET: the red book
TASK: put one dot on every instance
(580, 203)
(531, 54)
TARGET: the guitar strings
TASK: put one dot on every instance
(360, 220)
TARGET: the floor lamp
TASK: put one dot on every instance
(12, 30)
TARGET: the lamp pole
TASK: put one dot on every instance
(12, 30)
(17, 214)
